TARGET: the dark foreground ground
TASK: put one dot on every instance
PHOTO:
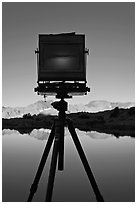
(119, 122)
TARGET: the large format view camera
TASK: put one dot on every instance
(61, 65)
(61, 71)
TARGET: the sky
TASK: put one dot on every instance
(110, 36)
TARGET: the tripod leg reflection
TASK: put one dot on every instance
(34, 186)
(92, 180)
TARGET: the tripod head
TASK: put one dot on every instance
(61, 105)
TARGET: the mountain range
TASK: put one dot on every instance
(47, 109)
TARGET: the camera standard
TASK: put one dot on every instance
(61, 60)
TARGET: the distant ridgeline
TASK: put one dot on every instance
(46, 108)
(118, 121)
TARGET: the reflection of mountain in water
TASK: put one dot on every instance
(119, 122)
(43, 134)
(97, 135)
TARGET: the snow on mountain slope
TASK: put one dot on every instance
(47, 109)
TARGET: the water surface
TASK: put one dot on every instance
(112, 161)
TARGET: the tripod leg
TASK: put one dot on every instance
(53, 164)
(61, 147)
(92, 180)
(34, 186)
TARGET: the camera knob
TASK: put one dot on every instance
(87, 51)
(36, 51)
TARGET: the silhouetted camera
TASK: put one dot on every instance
(61, 64)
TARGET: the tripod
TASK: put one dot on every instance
(57, 134)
